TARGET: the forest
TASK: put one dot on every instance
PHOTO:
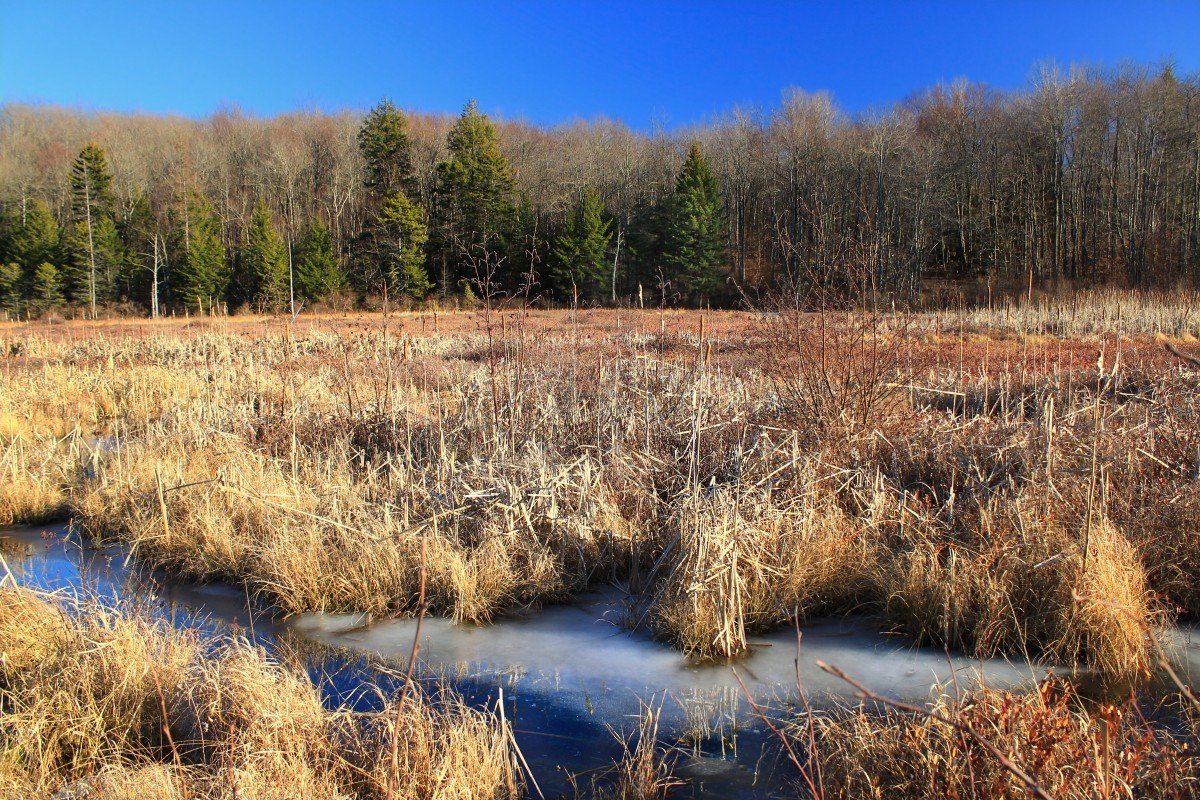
(1087, 176)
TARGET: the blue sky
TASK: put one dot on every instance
(647, 63)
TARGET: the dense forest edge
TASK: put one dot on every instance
(1086, 177)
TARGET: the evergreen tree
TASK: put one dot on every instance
(475, 200)
(262, 276)
(11, 293)
(384, 144)
(694, 246)
(579, 260)
(201, 275)
(45, 287)
(95, 260)
(35, 237)
(400, 255)
(316, 265)
(95, 251)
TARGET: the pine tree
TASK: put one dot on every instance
(694, 247)
(475, 200)
(45, 287)
(11, 294)
(262, 276)
(400, 255)
(202, 274)
(579, 262)
(316, 265)
(384, 144)
(95, 256)
(35, 237)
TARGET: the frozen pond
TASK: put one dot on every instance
(571, 675)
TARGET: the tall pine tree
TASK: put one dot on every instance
(95, 247)
(385, 147)
(579, 263)
(695, 244)
(475, 202)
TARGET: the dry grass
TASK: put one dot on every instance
(961, 478)
(115, 705)
(1069, 751)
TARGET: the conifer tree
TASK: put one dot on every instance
(262, 276)
(400, 257)
(202, 274)
(35, 238)
(475, 198)
(45, 287)
(316, 265)
(11, 294)
(95, 251)
(384, 144)
(579, 262)
(695, 245)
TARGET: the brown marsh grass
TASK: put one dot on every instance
(986, 488)
(103, 703)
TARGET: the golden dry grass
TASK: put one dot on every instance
(314, 464)
(119, 706)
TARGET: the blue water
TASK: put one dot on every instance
(573, 680)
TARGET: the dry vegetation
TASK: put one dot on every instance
(1055, 748)
(97, 703)
(977, 481)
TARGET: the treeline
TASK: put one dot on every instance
(1081, 178)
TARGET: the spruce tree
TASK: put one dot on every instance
(11, 290)
(35, 237)
(400, 258)
(95, 251)
(316, 265)
(385, 147)
(695, 245)
(262, 276)
(579, 259)
(45, 287)
(475, 202)
(202, 274)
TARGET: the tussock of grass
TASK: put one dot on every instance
(1070, 752)
(112, 705)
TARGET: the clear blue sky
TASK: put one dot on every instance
(643, 62)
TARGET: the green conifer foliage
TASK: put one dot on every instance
(262, 278)
(94, 244)
(401, 240)
(35, 236)
(695, 243)
(579, 262)
(475, 202)
(202, 276)
(316, 265)
(384, 144)
(45, 287)
(11, 295)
